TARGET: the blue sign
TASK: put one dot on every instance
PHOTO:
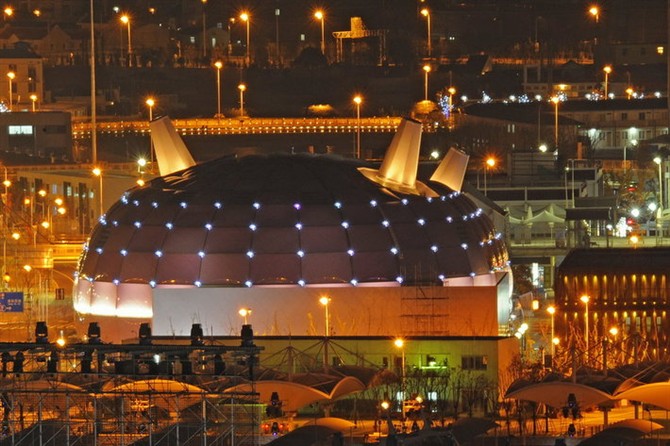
(11, 302)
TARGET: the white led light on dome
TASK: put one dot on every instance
(443, 198)
(421, 222)
(301, 282)
(338, 205)
(298, 226)
(394, 250)
(465, 218)
(354, 282)
(169, 225)
(441, 277)
(253, 227)
(123, 252)
(429, 199)
(136, 202)
(159, 253)
(115, 223)
(183, 205)
(301, 253)
(464, 245)
(434, 248)
(472, 274)
(373, 203)
(345, 225)
(385, 223)
(256, 205)
(449, 219)
(154, 204)
(137, 224)
(250, 254)
(350, 252)
(479, 212)
(404, 201)
(116, 281)
(218, 205)
(498, 236)
(102, 220)
(248, 283)
(98, 250)
(124, 199)
(208, 226)
(197, 283)
(152, 283)
(201, 254)
(297, 206)
(399, 279)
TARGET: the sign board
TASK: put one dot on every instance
(11, 302)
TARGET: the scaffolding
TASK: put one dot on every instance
(140, 394)
(359, 32)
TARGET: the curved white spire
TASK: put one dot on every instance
(171, 152)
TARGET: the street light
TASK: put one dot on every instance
(33, 99)
(659, 161)
(319, 15)
(585, 299)
(358, 100)
(10, 76)
(595, 12)
(426, 13)
(218, 65)
(325, 301)
(552, 311)
(556, 100)
(607, 69)
(242, 89)
(245, 313)
(98, 173)
(246, 18)
(125, 19)
(490, 163)
(400, 343)
(150, 103)
(426, 70)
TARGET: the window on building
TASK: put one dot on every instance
(641, 116)
(624, 115)
(474, 362)
(20, 129)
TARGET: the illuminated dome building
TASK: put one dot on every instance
(396, 251)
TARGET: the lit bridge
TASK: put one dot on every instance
(246, 126)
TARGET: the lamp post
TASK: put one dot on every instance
(10, 77)
(242, 89)
(658, 160)
(218, 65)
(358, 100)
(552, 311)
(33, 99)
(150, 103)
(319, 15)
(204, 30)
(426, 13)
(400, 343)
(246, 18)
(98, 173)
(586, 300)
(426, 70)
(245, 313)
(607, 69)
(325, 301)
(556, 100)
(490, 163)
(595, 12)
(125, 19)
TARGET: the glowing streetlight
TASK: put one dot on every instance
(10, 76)
(552, 311)
(98, 173)
(218, 65)
(490, 163)
(204, 30)
(585, 299)
(125, 19)
(242, 89)
(426, 13)
(358, 100)
(595, 12)
(607, 69)
(400, 344)
(325, 301)
(33, 99)
(556, 100)
(150, 103)
(245, 313)
(320, 16)
(8, 12)
(426, 70)
(245, 17)
(452, 92)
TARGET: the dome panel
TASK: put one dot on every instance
(275, 240)
(276, 215)
(375, 266)
(409, 236)
(323, 215)
(324, 239)
(224, 269)
(234, 215)
(267, 269)
(110, 266)
(333, 267)
(147, 239)
(369, 238)
(196, 216)
(138, 267)
(185, 240)
(178, 268)
(228, 240)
